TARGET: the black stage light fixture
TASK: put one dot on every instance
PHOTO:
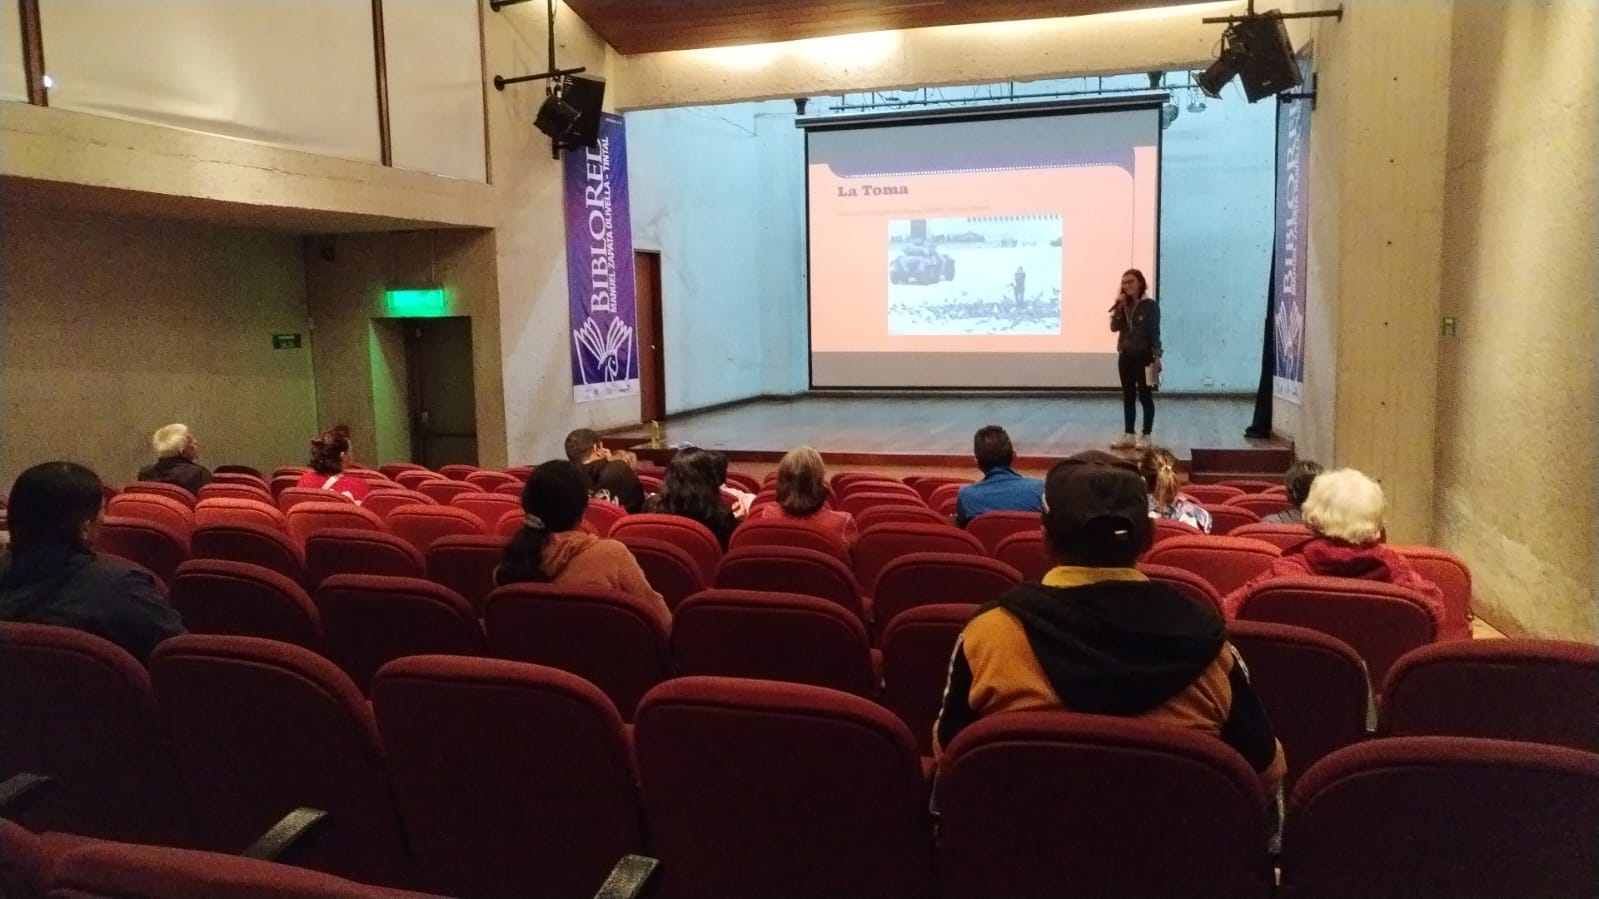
(1221, 72)
(570, 115)
(1269, 65)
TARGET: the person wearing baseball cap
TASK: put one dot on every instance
(1097, 636)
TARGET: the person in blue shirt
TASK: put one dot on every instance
(1001, 489)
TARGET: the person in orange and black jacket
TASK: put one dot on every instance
(1096, 636)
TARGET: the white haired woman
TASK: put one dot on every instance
(175, 453)
(1344, 512)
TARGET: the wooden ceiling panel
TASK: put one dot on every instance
(648, 26)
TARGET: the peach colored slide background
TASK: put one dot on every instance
(1107, 219)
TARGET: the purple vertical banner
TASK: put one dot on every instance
(1288, 266)
(599, 266)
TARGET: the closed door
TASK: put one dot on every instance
(443, 400)
(651, 359)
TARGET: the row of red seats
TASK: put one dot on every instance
(487, 777)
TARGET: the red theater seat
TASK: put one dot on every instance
(603, 515)
(884, 543)
(352, 551)
(422, 525)
(262, 728)
(308, 518)
(514, 779)
(221, 597)
(1170, 528)
(1444, 816)
(458, 472)
(1534, 691)
(1185, 582)
(372, 620)
(215, 490)
(385, 502)
(393, 469)
(760, 788)
(917, 646)
(926, 485)
(175, 516)
(856, 503)
(992, 527)
(488, 507)
(290, 497)
(899, 515)
(692, 536)
(922, 579)
(1065, 801)
(1211, 493)
(773, 636)
(1312, 686)
(80, 710)
(786, 569)
(413, 478)
(488, 480)
(1282, 536)
(669, 568)
(254, 544)
(1027, 554)
(154, 546)
(1261, 504)
(1227, 562)
(157, 488)
(609, 638)
(786, 532)
(1226, 517)
(1453, 577)
(444, 491)
(466, 564)
(1249, 485)
(1380, 621)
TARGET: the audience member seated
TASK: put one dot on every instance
(738, 500)
(1001, 489)
(608, 477)
(51, 576)
(330, 452)
(1159, 468)
(1344, 512)
(1298, 480)
(175, 452)
(1096, 636)
(802, 492)
(551, 548)
(692, 490)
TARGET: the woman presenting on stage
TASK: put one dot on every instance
(1136, 320)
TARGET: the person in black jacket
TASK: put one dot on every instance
(609, 479)
(175, 452)
(1135, 318)
(51, 576)
(693, 489)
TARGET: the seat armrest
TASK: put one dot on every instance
(629, 879)
(282, 837)
(18, 790)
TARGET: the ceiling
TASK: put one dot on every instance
(647, 26)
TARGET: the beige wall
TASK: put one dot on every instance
(1517, 384)
(111, 328)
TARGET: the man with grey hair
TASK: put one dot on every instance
(175, 452)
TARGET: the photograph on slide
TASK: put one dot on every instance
(989, 275)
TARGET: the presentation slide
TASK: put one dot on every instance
(977, 252)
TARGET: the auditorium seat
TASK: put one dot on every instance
(991, 527)
(876, 485)
(1207, 494)
(254, 544)
(219, 597)
(223, 490)
(176, 516)
(788, 532)
(609, 638)
(414, 478)
(293, 496)
(669, 569)
(1282, 536)
(744, 482)
(1260, 504)
(1379, 621)
(370, 620)
(443, 491)
(1185, 582)
(514, 779)
(1536, 691)
(80, 710)
(1453, 577)
(510, 523)
(155, 546)
(917, 646)
(385, 502)
(926, 485)
(1313, 687)
(1065, 805)
(856, 503)
(602, 514)
(899, 515)
(262, 728)
(935, 578)
(289, 471)
(520, 472)
(651, 483)
(354, 551)
(788, 569)
(422, 525)
(465, 563)
(1170, 528)
(1444, 816)
(392, 469)
(282, 482)
(692, 536)
(884, 543)
(1027, 554)
(761, 788)
(1227, 562)
(157, 488)
(306, 519)
(1250, 485)
(457, 472)
(226, 472)
(1224, 518)
(773, 636)
(488, 507)
(488, 480)
(845, 481)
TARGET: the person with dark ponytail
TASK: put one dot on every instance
(330, 451)
(693, 489)
(552, 548)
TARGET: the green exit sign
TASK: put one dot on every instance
(425, 302)
(285, 341)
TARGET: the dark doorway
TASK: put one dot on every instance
(651, 357)
(442, 400)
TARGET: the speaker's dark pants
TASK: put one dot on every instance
(1135, 390)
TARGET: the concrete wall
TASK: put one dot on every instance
(1517, 384)
(111, 328)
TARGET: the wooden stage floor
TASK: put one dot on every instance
(936, 429)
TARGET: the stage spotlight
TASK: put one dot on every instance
(1168, 115)
(1221, 72)
(1196, 105)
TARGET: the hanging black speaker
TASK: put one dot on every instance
(1268, 66)
(571, 117)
